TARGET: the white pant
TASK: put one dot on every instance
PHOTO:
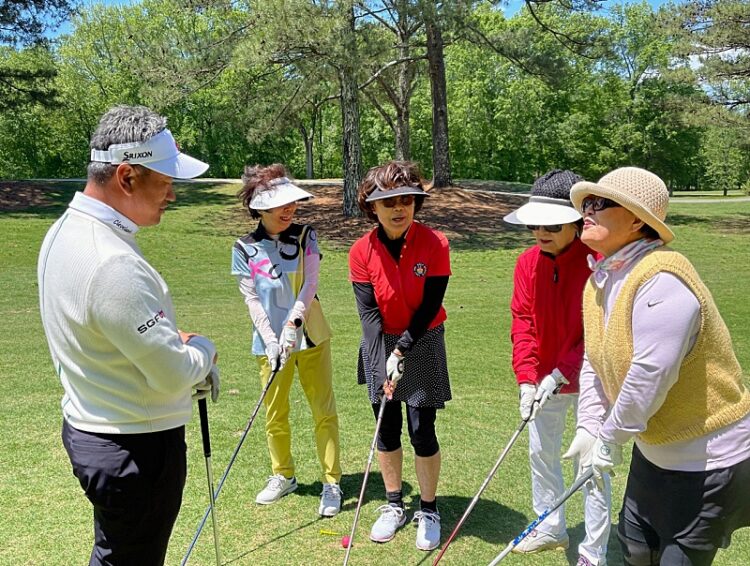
(545, 449)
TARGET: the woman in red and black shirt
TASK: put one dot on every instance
(400, 272)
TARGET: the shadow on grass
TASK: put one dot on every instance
(351, 484)
(734, 223)
(50, 199)
(273, 540)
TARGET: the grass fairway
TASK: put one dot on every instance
(46, 519)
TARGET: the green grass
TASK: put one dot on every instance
(46, 519)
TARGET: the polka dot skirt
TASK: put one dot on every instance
(425, 382)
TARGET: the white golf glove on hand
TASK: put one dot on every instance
(394, 367)
(582, 448)
(208, 385)
(605, 456)
(549, 386)
(526, 400)
(288, 340)
(273, 352)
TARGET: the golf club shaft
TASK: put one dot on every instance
(576, 485)
(486, 482)
(229, 466)
(206, 436)
(364, 479)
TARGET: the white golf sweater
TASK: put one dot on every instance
(111, 327)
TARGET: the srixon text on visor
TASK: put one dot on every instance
(141, 155)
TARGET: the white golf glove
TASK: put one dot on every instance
(526, 400)
(605, 456)
(288, 342)
(549, 386)
(582, 448)
(273, 352)
(394, 367)
(208, 385)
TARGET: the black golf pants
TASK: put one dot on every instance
(135, 483)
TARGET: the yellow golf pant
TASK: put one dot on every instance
(315, 376)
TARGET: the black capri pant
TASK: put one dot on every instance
(421, 425)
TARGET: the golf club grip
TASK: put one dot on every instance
(486, 482)
(203, 412)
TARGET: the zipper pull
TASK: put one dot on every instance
(554, 275)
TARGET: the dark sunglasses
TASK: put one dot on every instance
(403, 200)
(554, 228)
(598, 203)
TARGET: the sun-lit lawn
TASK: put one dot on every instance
(46, 520)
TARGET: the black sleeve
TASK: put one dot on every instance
(372, 330)
(434, 292)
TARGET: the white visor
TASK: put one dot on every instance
(544, 211)
(160, 153)
(280, 191)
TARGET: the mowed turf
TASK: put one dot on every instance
(46, 519)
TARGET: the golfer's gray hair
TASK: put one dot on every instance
(122, 124)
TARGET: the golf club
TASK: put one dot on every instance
(559, 382)
(206, 435)
(582, 479)
(229, 466)
(364, 479)
(486, 482)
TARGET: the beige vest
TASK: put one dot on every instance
(709, 393)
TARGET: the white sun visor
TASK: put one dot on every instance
(280, 191)
(544, 211)
(160, 153)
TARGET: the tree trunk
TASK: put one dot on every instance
(403, 108)
(352, 148)
(308, 139)
(441, 164)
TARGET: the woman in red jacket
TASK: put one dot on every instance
(399, 272)
(547, 335)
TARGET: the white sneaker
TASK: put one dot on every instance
(330, 500)
(428, 529)
(392, 517)
(276, 488)
(537, 541)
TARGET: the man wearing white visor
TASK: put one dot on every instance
(127, 371)
(547, 335)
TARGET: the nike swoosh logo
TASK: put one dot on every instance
(653, 303)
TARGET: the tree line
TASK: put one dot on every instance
(333, 87)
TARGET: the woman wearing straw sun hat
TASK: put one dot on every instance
(547, 335)
(659, 367)
(277, 266)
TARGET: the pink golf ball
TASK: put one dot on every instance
(345, 541)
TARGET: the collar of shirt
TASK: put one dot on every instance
(622, 260)
(104, 213)
(394, 247)
(288, 236)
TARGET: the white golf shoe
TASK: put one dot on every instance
(330, 500)
(276, 488)
(428, 529)
(392, 518)
(538, 541)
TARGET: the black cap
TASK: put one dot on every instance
(555, 184)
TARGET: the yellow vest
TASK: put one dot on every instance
(709, 393)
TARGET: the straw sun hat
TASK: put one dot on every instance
(639, 191)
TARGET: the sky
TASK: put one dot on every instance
(512, 7)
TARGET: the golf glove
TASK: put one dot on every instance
(549, 386)
(288, 340)
(526, 396)
(210, 385)
(273, 352)
(605, 456)
(394, 367)
(582, 448)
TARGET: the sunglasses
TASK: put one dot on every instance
(553, 228)
(598, 203)
(403, 200)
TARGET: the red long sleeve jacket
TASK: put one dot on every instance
(547, 328)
